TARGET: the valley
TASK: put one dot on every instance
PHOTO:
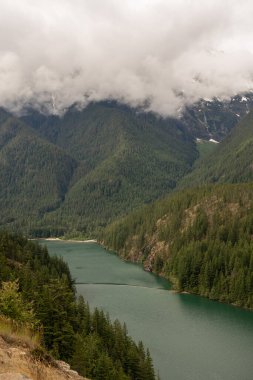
(189, 337)
(75, 174)
(126, 190)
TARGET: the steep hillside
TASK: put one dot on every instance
(125, 159)
(206, 119)
(35, 174)
(214, 119)
(230, 162)
(201, 239)
(19, 363)
(38, 304)
(76, 173)
(95, 133)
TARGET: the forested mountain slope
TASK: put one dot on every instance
(230, 162)
(38, 302)
(127, 159)
(34, 173)
(201, 239)
(76, 173)
(206, 119)
(81, 171)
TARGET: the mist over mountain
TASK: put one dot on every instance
(158, 55)
(107, 107)
(215, 119)
(79, 172)
(128, 124)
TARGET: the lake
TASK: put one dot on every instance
(189, 337)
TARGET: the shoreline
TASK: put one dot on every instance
(67, 240)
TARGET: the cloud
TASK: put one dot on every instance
(161, 54)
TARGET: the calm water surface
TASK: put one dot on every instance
(190, 338)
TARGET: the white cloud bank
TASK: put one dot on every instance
(161, 53)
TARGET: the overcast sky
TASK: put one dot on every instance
(159, 53)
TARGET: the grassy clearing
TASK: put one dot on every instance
(14, 332)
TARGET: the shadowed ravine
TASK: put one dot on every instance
(190, 337)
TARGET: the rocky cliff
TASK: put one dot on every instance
(18, 362)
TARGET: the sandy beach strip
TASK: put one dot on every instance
(80, 241)
(67, 240)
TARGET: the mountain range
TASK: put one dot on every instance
(74, 174)
(230, 162)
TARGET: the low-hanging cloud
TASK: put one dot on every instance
(157, 54)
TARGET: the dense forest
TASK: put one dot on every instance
(200, 239)
(73, 175)
(230, 162)
(37, 291)
(77, 173)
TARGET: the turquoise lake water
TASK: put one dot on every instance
(189, 337)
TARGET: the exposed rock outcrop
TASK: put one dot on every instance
(18, 363)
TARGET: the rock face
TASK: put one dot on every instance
(13, 376)
(17, 363)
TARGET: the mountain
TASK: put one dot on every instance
(200, 239)
(214, 119)
(127, 159)
(230, 162)
(34, 173)
(206, 119)
(80, 171)
(76, 173)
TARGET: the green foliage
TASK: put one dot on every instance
(205, 148)
(35, 175)
(230, 162)
(37, 291)
(75, 174)
(207, 239)
(13, 306)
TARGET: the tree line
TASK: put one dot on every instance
(37, 290)
(207, 237)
